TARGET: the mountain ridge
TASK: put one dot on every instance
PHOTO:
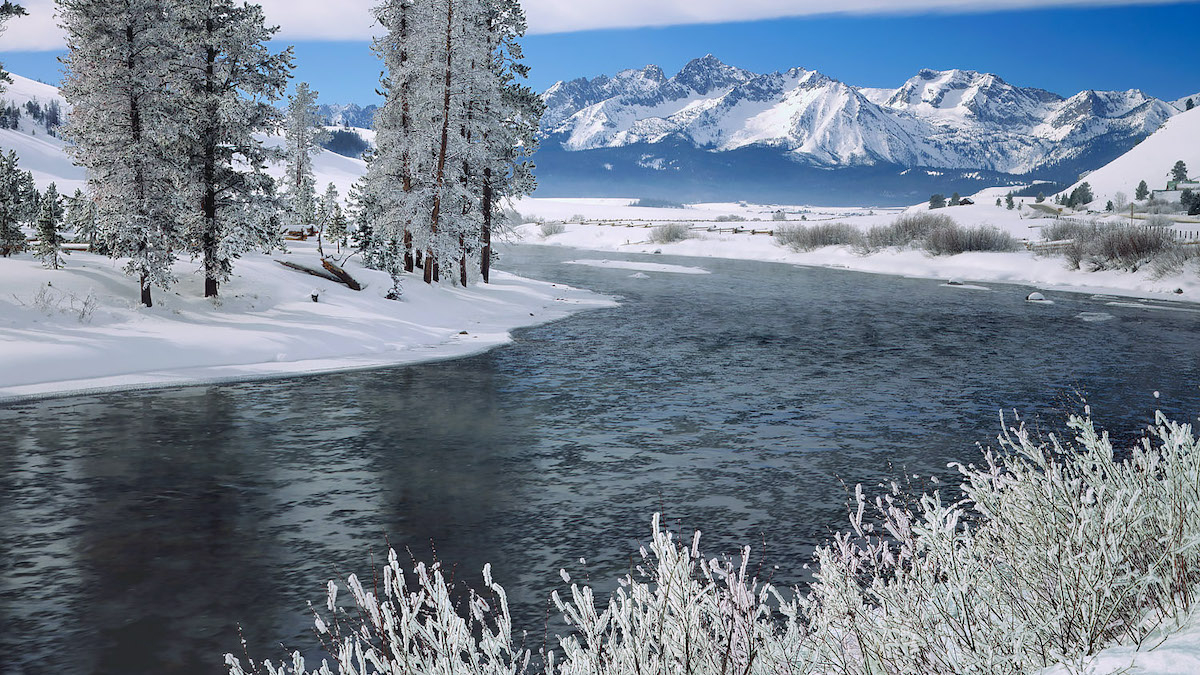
(955, 119)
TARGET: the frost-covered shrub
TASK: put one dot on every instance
(1175, 260)
(809, 237)
(953, 239)
(550, 229)
(1048, 551)
(1102, 246)
(734, 218)
(668, 233)
(1129, 247)
(906, 230)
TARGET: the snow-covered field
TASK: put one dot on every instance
(598, 233)
(265, 325)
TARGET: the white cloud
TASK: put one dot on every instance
(351, 19)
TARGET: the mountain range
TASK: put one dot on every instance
(715, 131)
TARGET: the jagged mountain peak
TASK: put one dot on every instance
(708, 73)
(955, 119)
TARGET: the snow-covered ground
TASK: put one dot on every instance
(265, 324)
(1047, 272)
(1167, 653)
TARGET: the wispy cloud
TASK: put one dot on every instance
(351, 19)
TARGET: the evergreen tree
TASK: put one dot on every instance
(1008, 202)
(231, 78)
(453, 135)
(1041, 197)
(1190, 104)
(8, 10)
(327, 211)
(937, 201)
(1081, 196)
(1179, 172)
(15, 204)
(998, 201)
(511, 114)
(303, 140)
(120, 69)
(49, 230)
(955, 199)
(338, 228)
(1142, 191)
(1109, 207)
(80, 220)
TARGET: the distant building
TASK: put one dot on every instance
(1174, 191)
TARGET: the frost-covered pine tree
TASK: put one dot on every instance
(16, 204)
(8, 10)
(303, 137)
(338, 228)
(49, 229)
(230, 78)
(452, 132)
(386, 195)
(80, 220)
(328, 210)
(511, 113)
(125, 128)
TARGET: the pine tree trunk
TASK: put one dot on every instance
(485, 256)
(431, 275)
(462, 262)
(209, 176)
(405, 123)
(135, 130)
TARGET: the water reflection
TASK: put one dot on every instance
(140, 529)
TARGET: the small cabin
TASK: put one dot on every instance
(965, 202)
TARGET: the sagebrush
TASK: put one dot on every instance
(669, 233)
(1047, 551)
(810, 237)
(551, 228)
(954, 239)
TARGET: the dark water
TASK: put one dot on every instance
(139, 530)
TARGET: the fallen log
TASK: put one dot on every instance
(341, 274)
(310, 270)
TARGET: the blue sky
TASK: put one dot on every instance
(1150, 47)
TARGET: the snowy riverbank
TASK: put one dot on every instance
(1049, 273)
(265, 324)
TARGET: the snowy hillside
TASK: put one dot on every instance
(1151, 160)
(40, 153)
(954, 119)
(45, 157)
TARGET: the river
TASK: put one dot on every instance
(140, 530)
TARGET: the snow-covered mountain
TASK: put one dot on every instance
(348, 114)
(954, 119)
(1150, 161)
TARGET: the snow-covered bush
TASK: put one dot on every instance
(669, 233)
(1047, 552)
(1101, 246)
(550, 229)
(953, 239)
(810, 237)
(906, 230)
